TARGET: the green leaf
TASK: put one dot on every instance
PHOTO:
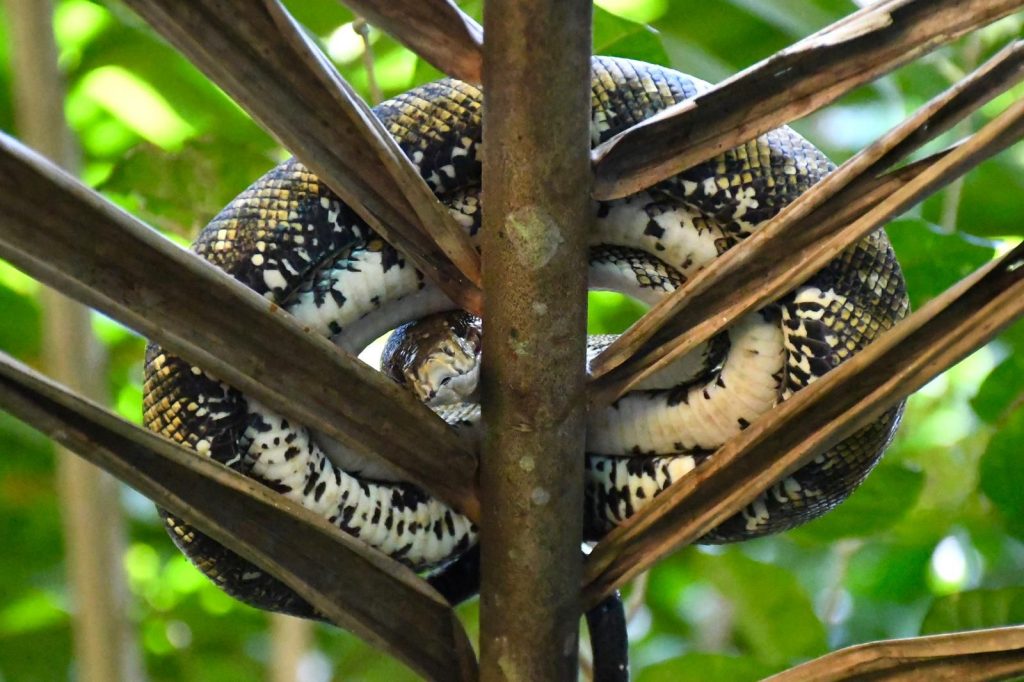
(43, 655)
(618, 37)
(23, 448)
(732, 35)
(192, 96)
(702, 667)
(34, 611)
(179, 192)
(6, 95)
(20, 333)
(426, 72)
(890, 491)
(1003, 386)
(319, 17)
(932, 261)
(975, 609)
(990, 202)
(1002, 476)
(797, 24)
(890, 572)
(611, 313)
(773, 612)
(669, 590)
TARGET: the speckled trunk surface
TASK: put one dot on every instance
(537, 213)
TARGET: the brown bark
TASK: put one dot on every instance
(536, 220)
(537, 210)
(973, 656)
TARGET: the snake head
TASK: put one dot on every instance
(437, 358)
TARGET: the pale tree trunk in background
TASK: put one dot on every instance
(104, 641)
(290, 639)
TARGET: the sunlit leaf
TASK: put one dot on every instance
(616, 36)
(639, 11)
(611, 313)
(16, 280)
(36, 610)
(158, 66)
(136, 104)
(142, 564)
(344, 45)
(75, 24)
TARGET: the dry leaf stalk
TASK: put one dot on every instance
(934, 338)
(66, 235)
(792, 83)
(436, 30)
(815, 228)
(256, 52)
(382, 601)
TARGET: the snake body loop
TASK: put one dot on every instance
(292, 240)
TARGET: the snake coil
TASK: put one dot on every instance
(292, 240)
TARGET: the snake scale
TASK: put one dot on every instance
(292, 240)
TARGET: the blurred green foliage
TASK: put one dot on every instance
(931, 543)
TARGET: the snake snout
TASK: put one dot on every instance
(445, 378)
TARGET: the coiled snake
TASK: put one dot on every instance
(292, 240)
